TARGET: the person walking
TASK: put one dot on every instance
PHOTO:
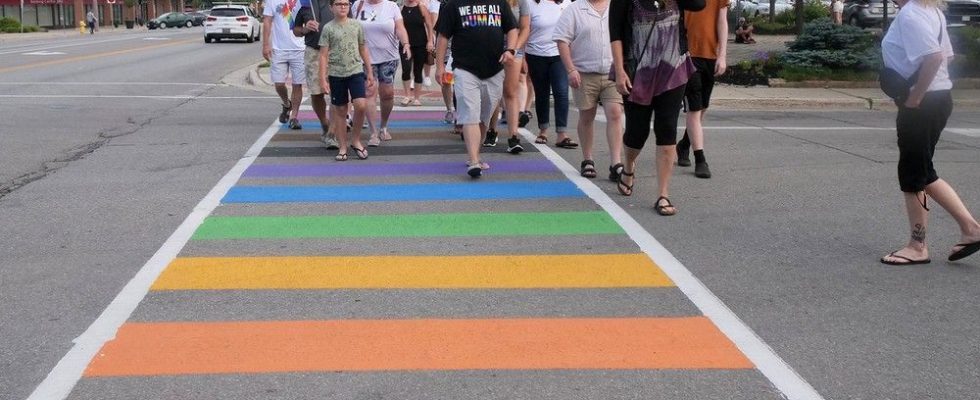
(917, 47)
(547, 72)
(345, 67)
(384, 29)
(515, 85)
(433, 7)
(707, 40)
(651, 67)
(91, 21)
(418, 24)
(309, 19)
(483, 34)
(582, 34)
(285, 53)
(837, 10)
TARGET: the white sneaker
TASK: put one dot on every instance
(427, 82)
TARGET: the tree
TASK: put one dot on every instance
(800, 17)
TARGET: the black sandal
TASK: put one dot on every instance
(662, 208)
(587, 169)
(614, 172)
(622, 187)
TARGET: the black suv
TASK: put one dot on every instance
(963, 12)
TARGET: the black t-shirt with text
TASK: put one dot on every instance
(304, 14)
(478, 30)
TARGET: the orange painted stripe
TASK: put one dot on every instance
(179, 348)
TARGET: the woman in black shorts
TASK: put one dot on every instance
(651, 68)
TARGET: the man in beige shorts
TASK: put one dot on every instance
(582, 34)
(307, 25)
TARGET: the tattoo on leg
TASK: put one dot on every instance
(919, 233)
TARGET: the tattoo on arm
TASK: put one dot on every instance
(919, 233)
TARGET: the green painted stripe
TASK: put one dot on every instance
(415, 225)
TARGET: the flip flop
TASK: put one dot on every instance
(966, 251)
(361, 152)
(908, 261)
(566, 143)
(622, 187)
(541, 139)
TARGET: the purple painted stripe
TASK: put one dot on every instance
(395, 116)
(353, 169)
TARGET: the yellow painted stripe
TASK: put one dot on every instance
(95, 56)
(525, 271)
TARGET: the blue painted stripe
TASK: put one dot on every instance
(393, 125)
(403, 192)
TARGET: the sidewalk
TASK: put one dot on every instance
(725, 97)
(8, 38)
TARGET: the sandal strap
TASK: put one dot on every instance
(669, 204)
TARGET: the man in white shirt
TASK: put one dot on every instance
(582, 34)
(285, 53)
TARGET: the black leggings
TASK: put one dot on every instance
(665, 109)
(918, 133)
(415, 65)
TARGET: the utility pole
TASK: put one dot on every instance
(21, 16)
(95, 11)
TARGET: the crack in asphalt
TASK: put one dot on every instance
(79, 152)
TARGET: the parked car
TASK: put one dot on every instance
(781, 7)
(962, 12)
(197, 18)
(169, 20)
(867, 13)
(745, 8)
(232, 22)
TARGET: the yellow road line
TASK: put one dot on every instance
(524, 271)
(92, 56)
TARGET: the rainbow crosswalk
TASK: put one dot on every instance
(399, 277)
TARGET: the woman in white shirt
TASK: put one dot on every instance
(383, 31)
(546, 70)
(917, 47)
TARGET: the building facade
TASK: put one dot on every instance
(68, 13)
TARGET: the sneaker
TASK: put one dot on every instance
(523, 119)
(474, 170)
(514, 145)
(385, 135)
(374, 141)
(284, 115)
(426, 82)
(294, 124)
(702, 171)
(683, 156)
(491, 139)
(330, 141)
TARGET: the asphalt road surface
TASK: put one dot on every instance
(107, 148)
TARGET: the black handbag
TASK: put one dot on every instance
(897, 86)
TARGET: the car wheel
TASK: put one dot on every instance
(258, 36)
(207, 39)
(163, 25)
(853, 21)
(189, 24)
(249, 38)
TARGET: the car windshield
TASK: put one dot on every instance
(227, 12)
(164, 15)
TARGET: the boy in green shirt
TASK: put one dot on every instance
(346, 64)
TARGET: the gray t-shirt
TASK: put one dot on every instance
(344, 41)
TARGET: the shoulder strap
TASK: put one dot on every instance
(360, 6)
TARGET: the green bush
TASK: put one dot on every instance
(812, 11)
(8, 23)
(966, 45)
(765, 28)
(752, 72)
(823, 45)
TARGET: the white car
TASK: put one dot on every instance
(781, 7)
(232, 22)
(745, 8)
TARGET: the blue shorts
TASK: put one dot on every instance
(343, 90)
